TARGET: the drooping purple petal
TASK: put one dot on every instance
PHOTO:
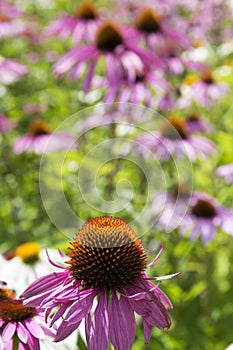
(45, 283)
(65, 329)
(100, 326)
(122, 324)
(81, 307)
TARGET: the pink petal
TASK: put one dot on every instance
(122, 323)
(22, 333)
(8, 331)
(99, 331)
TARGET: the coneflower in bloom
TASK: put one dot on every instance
(19, 326)
(138, 91)
(107, 262)
(204, 216)
(10, 23)
(198, 124)
(40, 139)
(81, 26)
(11, 71)
(157, 33)
(122, 56)
(226, 171)
(6, 124)
(205, 90)
(175, 139)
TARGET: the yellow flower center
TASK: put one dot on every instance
(28, 252)
(108, 37)
(148, 21)
(86, 11)
(38, 127)
(12, 310)
(191, 79)
(197, 43)
(106, 254)
(175, 128)
(204, 209)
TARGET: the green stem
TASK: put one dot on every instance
(15, 343)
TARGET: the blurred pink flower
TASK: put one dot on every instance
(147, 84)
(205, 90)
(175, 139)
(11, 71)
(10, 23)
(6, 124)
(198, 124)
(204, 216)
(82, 26)
(41, 140)
(226, 171)
(154, 27)
(35, 108)
(122, 57)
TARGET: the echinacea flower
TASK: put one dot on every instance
(198, 124)
(40, 139)
(27, 262)
(226, 171)
(205, 90)
(138, 91)
(204, 216)
(173, 206)
(175, 139)
(157, 33)
(6, 124)
(81, 26)
(11, 71)
(122, 57)
(19, 326)
(10, 24)
(106, 262)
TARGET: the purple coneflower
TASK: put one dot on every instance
(175, 138)
(204, 89)
(154, 27)
(81, 26)
(106, 261)
(40, 139)
(174, 206)
(123, 58)
(6, 124)
(11, 71)
(226, 171)
(35, 108)
(139, 91)
(205, 214)
(197, 124)
(10, 25)
(19, 326)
